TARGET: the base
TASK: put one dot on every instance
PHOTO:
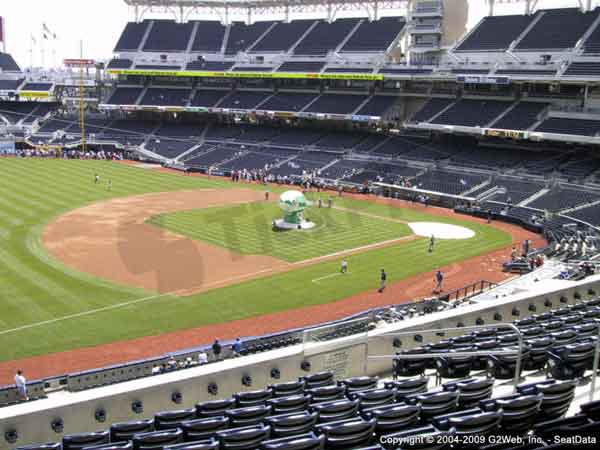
(283, 225)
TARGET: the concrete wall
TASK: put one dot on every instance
(456, 16)
(345, 357)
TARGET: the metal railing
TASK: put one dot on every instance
(468, 291)
(518, 353)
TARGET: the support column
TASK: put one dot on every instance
(491, 4)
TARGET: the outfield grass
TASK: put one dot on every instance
(247, 229)
(45, 307)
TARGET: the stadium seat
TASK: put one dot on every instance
(244, 438)
(126, 445)
(214, 407)
(409, 386)
(319, 379)
(287, 389)
(172, 419)
(591, 410)
(421, 438)
(359, 384)
(252, 415)
(557, 396)
(575, 427)
(453, 366)
(47, 446)
(253, 398)
(291, 404)
(434, 403)
(157, 439)
(374, 397)
(471, 391)
(124, 431)
(349, 434)
(519, 412)
(292, 424)
(336, 410)
(570, 361)
(394, 417)
(79, 441)
(197, 429)
(209, 444)
(327, 393)
(307, 441)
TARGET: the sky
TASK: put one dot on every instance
(98, 23)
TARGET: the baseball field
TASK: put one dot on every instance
(85, 263)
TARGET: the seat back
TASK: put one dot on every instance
(172, 419)
(327, 393)
(292, 424)
(393, 417)
(157, 439)
(336, 410)
(78, 441)
(214, 407)
(243, 438)
(291, 404)
(204, 428)
(306, 441)
(253, 398)
(287, 389)
(318, 379)
(349, 434)
(207, 444)
(124, 431)
(359, 383)
(242, 417)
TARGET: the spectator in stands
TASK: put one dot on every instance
(382, 280)
(216, 348)
(237, 347)
(21, 384)
(202, 358)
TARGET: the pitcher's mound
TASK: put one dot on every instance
(440, 230)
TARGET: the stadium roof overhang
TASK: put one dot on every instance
(251, 8)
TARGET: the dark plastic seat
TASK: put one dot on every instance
(435, 403)
(538, 353)
(253, 398)
(578, 426)
(318, 379)
(357, 384)
(591, 410)
(349, 434)
(476, 424)
(453, 366)
(126, 445)
(242, 417)
(156, 440)
(124, 431)
(308, 441)
(409, 386)
(564, 337)
(172, 419)
(471, 390)
(208, 444)
(46, 446)
(421, 438)
(519, 412)
(393, 417)
(327, 393)
(214, 407)
(570, 361)
(244, 438)
(81, 440)
(336, 410)
(204, 428)
(291, 404)
(374, 397)
(503, 367)
(557, 397)
(411, 367)
(480, 362)
(292, 424)
(287, 389)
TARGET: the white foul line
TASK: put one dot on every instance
(316, 280)
(121, 305)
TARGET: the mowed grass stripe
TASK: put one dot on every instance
(246, 229)
(34, 288)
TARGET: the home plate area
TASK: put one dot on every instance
(440, 230)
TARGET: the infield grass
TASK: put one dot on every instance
(247, 229)
(46, 307)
